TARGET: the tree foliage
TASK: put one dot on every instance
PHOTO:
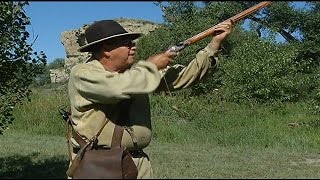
(254, 65)
(57, 63)
(19, 64)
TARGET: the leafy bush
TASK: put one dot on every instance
(266, 71)
(19, 64)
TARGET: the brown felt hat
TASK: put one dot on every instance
(104, 30)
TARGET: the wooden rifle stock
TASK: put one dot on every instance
(210, 31)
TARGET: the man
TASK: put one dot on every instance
(111, 85)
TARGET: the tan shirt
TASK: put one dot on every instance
(96, 94)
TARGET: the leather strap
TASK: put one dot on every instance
(131, 133)
(68, 138)
(117, 132)
(78, 139)
(116, 138)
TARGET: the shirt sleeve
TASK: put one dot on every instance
(179, 76)
(100, 86)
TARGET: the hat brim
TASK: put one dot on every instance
(87, 47)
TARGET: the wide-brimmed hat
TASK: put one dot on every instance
(104, 30)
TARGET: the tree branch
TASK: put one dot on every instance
(287, 36)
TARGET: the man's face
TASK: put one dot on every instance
(122, 51)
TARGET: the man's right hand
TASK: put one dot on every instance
(222, 31)
(162, 60)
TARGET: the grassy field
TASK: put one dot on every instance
(45, 156)
(205, 138)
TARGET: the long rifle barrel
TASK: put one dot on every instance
(211, 30)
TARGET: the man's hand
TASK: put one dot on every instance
(162, 60)
(221, 32)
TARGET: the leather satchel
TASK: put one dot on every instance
(92, 162)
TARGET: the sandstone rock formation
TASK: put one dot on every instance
(73, 39)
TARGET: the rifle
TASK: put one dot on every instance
(181, 45)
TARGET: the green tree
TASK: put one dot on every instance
(253, 64)
(19, 64)
(56, 63)
(288, 71)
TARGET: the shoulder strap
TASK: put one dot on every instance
(116, 138)
(117, 132)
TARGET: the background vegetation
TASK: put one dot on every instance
(256, 117)
(254, 65)
(19, 64)
(209, 139)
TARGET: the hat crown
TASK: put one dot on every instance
(103, 29)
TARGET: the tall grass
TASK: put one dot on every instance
(206, 120)
(41, 115)
(202, 119)
(193, 137)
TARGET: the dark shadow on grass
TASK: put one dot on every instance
(24, 167)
